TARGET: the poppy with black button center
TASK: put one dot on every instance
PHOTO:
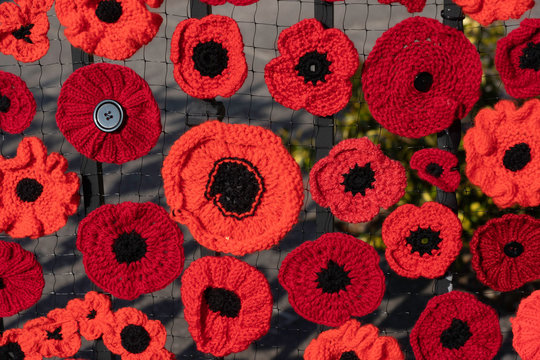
(17, 104)
(16, 344)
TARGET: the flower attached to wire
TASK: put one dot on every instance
(525, 327)
(16, 344)
(93, 314)
(437, 167)
(17, 104)
(488, 11)
(412, 5)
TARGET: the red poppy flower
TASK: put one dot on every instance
(208, 57)
(93, 314)
(421, 241)
(17, 344)
(227, 304)
(236, 187)
(437, 167)
(488, 11)
(506, 252)
(414, 80)
(37, 194)
(412, 5)
(356, 179)
(234, 2)
(114, 29)
(525, 327)
(456, 326)
(130, 249)
(333, 278)
(314, 70)
(17, 104)
(108, 113)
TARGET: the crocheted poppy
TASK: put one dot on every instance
(412, 5)
(488, 11)
(356, 179)
(114, 29)
(437, 167)
(208, 57)
(93, 314)
(17, 104)
(314, 69)
(333, 278)
(37, 194)
(236, 187)
(130, 249)
(525, 327)
(352, 341)
(16, 344)
(505, 252)
(420, 77)
(502, 153)
(234, 2)
(421, 241)
(227, 304)
(456, 326)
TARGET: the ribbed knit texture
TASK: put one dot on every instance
(525, 327)
(17, 104)
(488, 11)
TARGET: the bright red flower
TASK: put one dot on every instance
(488, 11)
(437, 167)
(412, 5)
(17, 104)
(93, 314)
(526, 328)
(17, 344)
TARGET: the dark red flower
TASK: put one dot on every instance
(130, 249)
(456, 326)
(412, 5)
(108, 113)
(437, 167)
(333, 278)
(415, 81)
(17, 104)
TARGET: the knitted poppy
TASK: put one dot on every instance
(37, 194)
(16, 344)
(412, 5)
(227, 304)
(488, 11)
(506, 252)
(456, 326)
(114, 29)
(208, 57)
(421, 241)
(526, 329)
(236, 187)
(17, 104)
(420, 77)
(437, 167)
(356, 179)
(130, 249)
(502, 153)
(234, 2)
(333, 278)
(93, 314)
(314, 69)
(352, 341)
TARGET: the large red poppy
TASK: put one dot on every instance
(412, 5)
(17, 104)
(438, 167)
(526, 328)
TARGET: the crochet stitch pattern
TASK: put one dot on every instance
(236, 187)
(333, 278)
(314, 69)
(234, 2)
(16, 344)
(525, 327)
(227, 304)
(356, 179)
(114, 29)
(412, 5)
(37, 194)
(208, 57)
(488, 11)
(80, 97)
(17, 104)
(131, 249)
(420, 77)
(437, 167)
(93, 314)
(501, 153)
(456, 326)
(353, 341)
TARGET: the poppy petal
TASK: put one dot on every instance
(437, 167)
(488, 11)
(525, 327)
(412, 5)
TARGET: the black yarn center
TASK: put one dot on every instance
(513, 249)
(129, 247)
(423, 81)
(109, 11)
(29, 190)
(349, 355)
(135, 338)
(434, 170)
(92, 315)
(517, 157)
(313, 66)
(5, 103)
(358, 179)
(2, 284)
(333, 279)
(222, 301)
(456, 335)
(210, 58)
(23, 33)
(11, 351)
(531, 57)
(55, 335)
(424, 241)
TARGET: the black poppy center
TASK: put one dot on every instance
(210, 58)
(129, 247)
(531, 57)
(135, 338)
(55, 335)
(456, 335)
(423, 81)
(5, 103)
(11, 351)
(334, 278)
(349, 355)
(222, 301)
(2, 285)
(23, 33)
(517, 157)
(92, 314)
(29, 190)
(513, 249)
(358, 179)
(109, 11)
(424, 241)
(434, 170)
(313, 66)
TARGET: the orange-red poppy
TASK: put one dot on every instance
(17, 344)
(93, 314)
(488, 11)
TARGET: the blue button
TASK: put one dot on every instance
(108, 115)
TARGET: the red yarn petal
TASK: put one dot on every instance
(449, 177)
(412, 5)
(19, 109)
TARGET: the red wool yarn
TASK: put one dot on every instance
(412, 5)
(437, 167)
(17, 104)
(526, 328)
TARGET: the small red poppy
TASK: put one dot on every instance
(130, 249)
(208, 57)
(108, 113)
(314, 69)
(456, 326)
(93, 314)
(412, 5)
(437, 167)
(17, 344)
(526, 328)
(415, 81)
(333, 278)
(17, 104)
(227, 304)
(356, 179)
